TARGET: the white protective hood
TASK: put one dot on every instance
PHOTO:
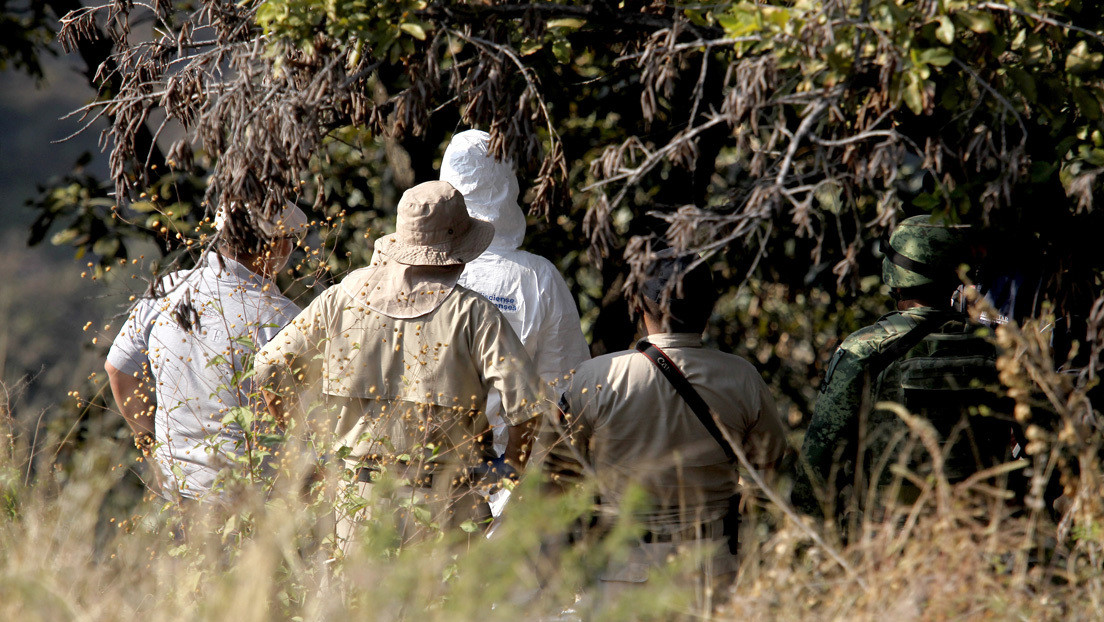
(490, 187)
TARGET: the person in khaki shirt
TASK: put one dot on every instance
(403, 358)
(625, 424)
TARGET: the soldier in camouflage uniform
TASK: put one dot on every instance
(925, 356)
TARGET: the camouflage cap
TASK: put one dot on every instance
(922, 252)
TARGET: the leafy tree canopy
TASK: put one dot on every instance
(783, 137)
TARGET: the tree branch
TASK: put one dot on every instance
(994, 6)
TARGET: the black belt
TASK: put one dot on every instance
(712, 530)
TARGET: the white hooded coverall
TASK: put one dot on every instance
(527, 288)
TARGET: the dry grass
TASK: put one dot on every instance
(75, 544)
(68, 555)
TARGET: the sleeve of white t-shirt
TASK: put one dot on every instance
(283, 312)
(129, 351)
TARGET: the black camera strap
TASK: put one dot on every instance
(687, 392)
(702, 411)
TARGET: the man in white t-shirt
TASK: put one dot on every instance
(191, 348)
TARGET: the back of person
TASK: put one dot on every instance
(642, 432)
(196, 341)
(405, 357)
(399, 385)
(925, 357)
(637, 421)
(201, 372)
(949, 379)
(526, 288)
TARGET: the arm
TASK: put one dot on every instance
(564, 442)
(278, 407)
(285, 363)
(127, 368)
(561, 345)
(830, 430)
(507, 367)
(519, 444)
(764, 441)
(133, 401)
(136, 407)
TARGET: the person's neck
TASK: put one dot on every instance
(905, 305)
(654, 325)
(254, 264)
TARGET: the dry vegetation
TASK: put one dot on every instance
(792, 160)
(75, 546)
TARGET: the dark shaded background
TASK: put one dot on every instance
(44, 301)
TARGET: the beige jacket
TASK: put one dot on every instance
(629, 425)
(398, 387)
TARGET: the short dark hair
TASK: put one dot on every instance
(692, 292)
(240, 236)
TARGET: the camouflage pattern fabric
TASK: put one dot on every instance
(922, 252)
(938, 377)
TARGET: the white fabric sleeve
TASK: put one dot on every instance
(560, 342)
(282, 312)
(506, 366)
(129, 351)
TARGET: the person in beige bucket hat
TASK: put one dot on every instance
(403, 358)
(417, 267)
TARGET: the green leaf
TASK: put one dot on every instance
(64, 237)
(741, 22)
(240, 415)
(926, 201)
(270, 440)
(245, 341)
(469, 526)
(1042, 171)
(1087, 103)
(1025, 84)
(106, 247)
(561, 49)
(530, 46)
(977, 22)
(913, 94)
(567, 22)
(945, 32)
(776, 15)
(413, 29)
(828, 195)
(1081, 61)
(940, 57)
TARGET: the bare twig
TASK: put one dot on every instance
(807, 122)
(995, 6)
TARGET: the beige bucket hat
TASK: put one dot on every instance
(433, 228)
(414, 269)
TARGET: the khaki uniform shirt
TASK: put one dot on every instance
(402, 388)
(631, 425)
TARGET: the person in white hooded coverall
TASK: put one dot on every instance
(527, 288)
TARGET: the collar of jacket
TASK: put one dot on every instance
(226, 268)
(675, 340)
